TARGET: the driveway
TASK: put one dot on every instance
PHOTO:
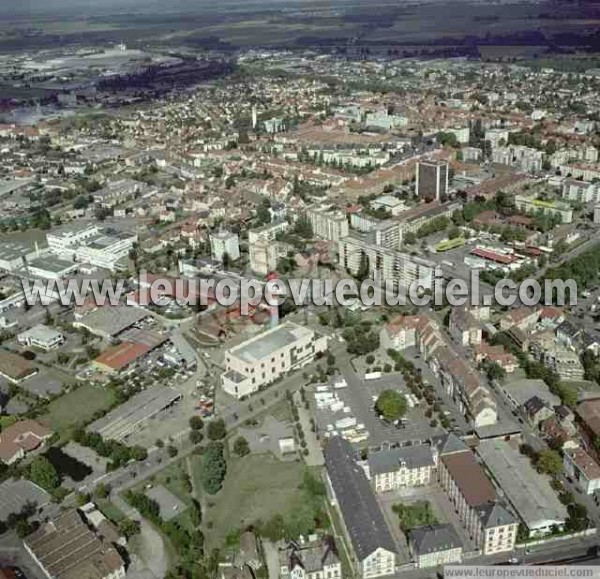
(149, 559)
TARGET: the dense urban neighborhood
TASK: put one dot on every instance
(183, 438)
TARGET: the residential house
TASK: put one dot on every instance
(525, 319)
(462, 383)
(556, 435)
(464, 327)
(315, 558)
(497, 355)
(21, 438)
(568, 333)
(537, 410)
(248, 552)
(583, 469)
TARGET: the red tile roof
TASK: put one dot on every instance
(493, 256)
(120, 356)
(25, 435)
(471, 480)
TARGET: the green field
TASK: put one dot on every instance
(77, 407)
(255, 488)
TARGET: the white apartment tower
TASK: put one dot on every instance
(225, 242)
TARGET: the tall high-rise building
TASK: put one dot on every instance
(432, 179)
(254, 117)
(224, 242)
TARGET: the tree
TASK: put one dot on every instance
(43, 474)
(196, 436)
(241, 446)
(410, 238)
(139, 453)
(196, 423)
(304, 228)
(494, 371)
(217, 429)
(102, 491)
(263, 214)
(128, 528)
(391, 405)
(578, 519)
(549, 462)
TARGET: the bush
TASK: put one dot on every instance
(214, 468)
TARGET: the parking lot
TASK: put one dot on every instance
(16, 494)
(358, 400)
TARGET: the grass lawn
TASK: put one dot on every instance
(256, 487)
(171, 479)
(110, 510)
(583, 385)
(77, 407)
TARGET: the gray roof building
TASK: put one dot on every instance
(495, 515)
(362, 516)
(434, 539)
(130, 416)
(390, 460)
(449, 444)
(108, 321)
(528, 492)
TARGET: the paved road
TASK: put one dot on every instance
(565, 549)
(152, 560)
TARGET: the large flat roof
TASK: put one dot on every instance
(124, 419)
(51, 263)
(262, 346)
(11, 250)
(530, 493)
(112, 320)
